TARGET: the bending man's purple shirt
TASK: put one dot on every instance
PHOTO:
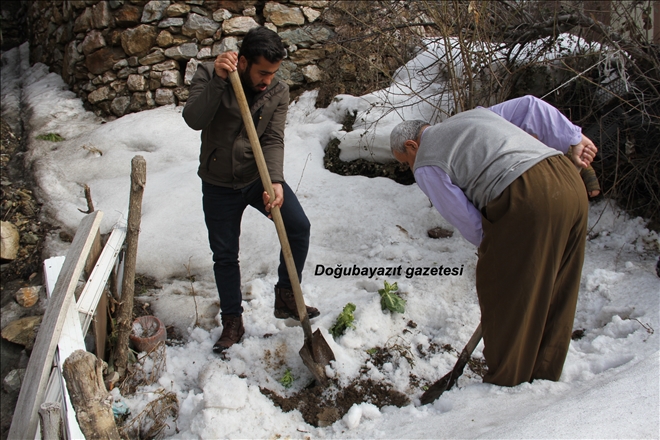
(529, 113)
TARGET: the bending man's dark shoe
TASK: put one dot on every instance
(232, 332)
(285, 305)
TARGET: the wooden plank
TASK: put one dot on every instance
(101, 326)
(93, 257)
(70, 340)
(25, 420)
(93, 290)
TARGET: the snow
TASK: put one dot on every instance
(610, 384)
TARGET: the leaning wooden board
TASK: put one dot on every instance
(26, 415)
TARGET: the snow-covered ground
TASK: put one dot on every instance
(610, 384)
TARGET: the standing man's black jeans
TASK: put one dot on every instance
(223, 210)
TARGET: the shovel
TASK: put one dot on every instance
(449, 379)
(315, 353)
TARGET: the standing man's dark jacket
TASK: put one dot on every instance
(226, 157)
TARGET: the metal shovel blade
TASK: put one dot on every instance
(448, 380)
(316, 354)
(438, 388)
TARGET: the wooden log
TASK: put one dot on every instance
(125, 308)
(50, 414)
(83, 373)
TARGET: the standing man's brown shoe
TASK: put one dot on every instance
(285, 305)
(232, 332)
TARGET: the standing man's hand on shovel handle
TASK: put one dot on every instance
(225, 63)
(279, 198)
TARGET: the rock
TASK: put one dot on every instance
(164, 39)
(171, 78)
(311, 3)
(306, 36)
(306, 56)
(311, 14)
(199, 27)
(119, 105)
(93, 41)
(204, 53)
(281, 15)
(136, 83)
(177, 10)
(227, 44)
(84, 21)
(171, 22)
(141, 101)
(9, 238)
(154, 57)
(181, 93)
(312, 73)
(71, 57)
(165, 96)
(191, 68)
(154, 10)
(138, 40)
(221, 15)
(290, 73)
(108, 77)
(13, 380)
(183, 52)
(439, 232)
(238, 25)
(103, 59)
(22, 331)
(28, 296)
(104, 93)
(165, 65)
(101, 15)
(127, 16)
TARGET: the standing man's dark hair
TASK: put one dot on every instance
(261, 41)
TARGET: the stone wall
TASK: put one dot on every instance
(122, 56)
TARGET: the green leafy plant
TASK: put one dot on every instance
(52, 137)
(287, 379)
(390, 300)
(344, 321)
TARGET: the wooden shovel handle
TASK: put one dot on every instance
(275, 210)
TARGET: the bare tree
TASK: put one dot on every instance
(607, 79)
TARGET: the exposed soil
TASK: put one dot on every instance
(323, 406)
(360, 167)
(398, 172)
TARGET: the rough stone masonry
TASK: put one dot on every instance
(123, 56)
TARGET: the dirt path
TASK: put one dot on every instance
(17, 206)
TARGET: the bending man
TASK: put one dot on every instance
(524, 205)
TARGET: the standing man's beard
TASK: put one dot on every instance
(247, 81)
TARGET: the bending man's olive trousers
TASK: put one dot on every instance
(528, 273)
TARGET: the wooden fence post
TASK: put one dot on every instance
(50, 414)
(125, 308)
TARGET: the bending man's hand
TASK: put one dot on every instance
(584, 152)
(279, 198)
